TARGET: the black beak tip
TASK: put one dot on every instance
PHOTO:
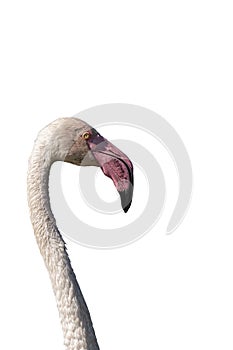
(126, 208)
(126, 199)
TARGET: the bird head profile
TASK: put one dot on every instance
(74, 141)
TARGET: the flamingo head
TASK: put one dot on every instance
(91, 148)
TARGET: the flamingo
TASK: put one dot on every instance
(74, 141)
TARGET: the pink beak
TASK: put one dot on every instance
(114, 164)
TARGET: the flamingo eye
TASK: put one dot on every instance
(86, 135)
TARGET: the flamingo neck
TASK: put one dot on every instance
(74, 315)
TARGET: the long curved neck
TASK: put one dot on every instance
(75, 318)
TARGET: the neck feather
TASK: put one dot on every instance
(75, 318)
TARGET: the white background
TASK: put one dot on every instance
(174, 57)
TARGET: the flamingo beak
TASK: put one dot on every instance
(114, 164)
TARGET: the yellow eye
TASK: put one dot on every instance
(86, 135)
